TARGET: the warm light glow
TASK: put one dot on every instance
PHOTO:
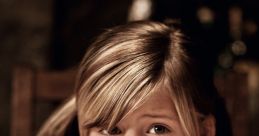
(225, 60)
(250, 27)
(140, 10)
(205, 15)
(238, 48)
(235, 21)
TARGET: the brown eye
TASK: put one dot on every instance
(115, 131)
(158, 130)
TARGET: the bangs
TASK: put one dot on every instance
(120, 89)
(109, 113)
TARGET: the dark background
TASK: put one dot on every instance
(53, 34)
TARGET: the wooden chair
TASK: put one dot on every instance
(233, 86)
(30, 86)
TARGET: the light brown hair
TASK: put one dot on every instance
(120, 71)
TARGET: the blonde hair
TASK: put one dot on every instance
(120, 71)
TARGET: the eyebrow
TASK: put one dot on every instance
(148, 115)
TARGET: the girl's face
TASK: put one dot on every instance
(157, 116)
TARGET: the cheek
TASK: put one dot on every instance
(179, 131)
(92, 133)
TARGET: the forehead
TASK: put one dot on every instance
(160, 99)
(159, 104)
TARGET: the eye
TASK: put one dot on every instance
(114, 131)
(158, 129)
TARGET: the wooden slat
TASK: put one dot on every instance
(33, 86)
(233, 87)
(55, 85)
(21, 121)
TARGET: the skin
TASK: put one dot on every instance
(157, 116)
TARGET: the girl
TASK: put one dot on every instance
(139, 79)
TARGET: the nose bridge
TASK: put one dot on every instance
(133, 132)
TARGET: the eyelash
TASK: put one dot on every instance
(117, 130)
(164, 127)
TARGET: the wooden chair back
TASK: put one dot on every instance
(233, 86)
(30, 86)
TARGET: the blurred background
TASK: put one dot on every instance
(52, 35)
